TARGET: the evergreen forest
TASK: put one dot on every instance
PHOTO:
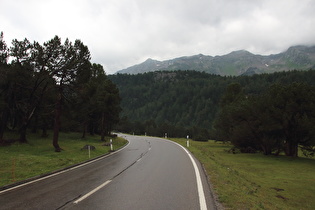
(54, 86)
(271, 113)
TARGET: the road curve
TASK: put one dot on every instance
(149, 173)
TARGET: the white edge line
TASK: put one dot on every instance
(202, 198)
(201, 194)
(61, 172)
(92, 191)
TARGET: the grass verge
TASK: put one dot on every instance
(255, 181)
(37, 157)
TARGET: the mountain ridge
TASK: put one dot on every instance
(235, 63)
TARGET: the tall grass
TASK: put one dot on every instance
(255, 181)
(37, 157)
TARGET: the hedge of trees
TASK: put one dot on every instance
(54, 86)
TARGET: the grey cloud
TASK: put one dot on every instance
(120, 33)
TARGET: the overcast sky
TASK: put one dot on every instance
(122, 33)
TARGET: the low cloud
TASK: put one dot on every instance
(121, 33)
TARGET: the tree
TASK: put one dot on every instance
(55, 76)
(224, 123)
(4, 112)
(98, 101)
(232, 93)
(108, 101)
(4, 51)
(293, 108)
(66, 60)
(18, 93)
(280, 118)
(252, 127)
(29, 86)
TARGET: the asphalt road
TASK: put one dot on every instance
(149, 173)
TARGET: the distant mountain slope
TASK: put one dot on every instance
(235, 63)
(172, 102)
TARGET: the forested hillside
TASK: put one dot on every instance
(182, 103)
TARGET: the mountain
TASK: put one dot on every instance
(235, 63)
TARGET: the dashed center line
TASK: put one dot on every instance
(92, 192)
(108, 181)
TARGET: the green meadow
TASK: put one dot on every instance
(37, 157)
(256, 181)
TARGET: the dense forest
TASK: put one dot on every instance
(54, 86)
(182, 103)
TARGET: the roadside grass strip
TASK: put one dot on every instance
(20, 162)
(256, 181)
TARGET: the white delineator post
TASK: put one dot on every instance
(111, 145)
(187, 140)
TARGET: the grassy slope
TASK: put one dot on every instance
(22, 161)
(255, 181)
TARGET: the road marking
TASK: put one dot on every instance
(91, 192)
(107, 182)
(201, 195)
(202, 198)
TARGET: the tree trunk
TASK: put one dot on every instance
(5, 114)
(23, 128)
(103, 127)
(266, 149)
(34, 128)
(44, 128)
(291, 149)
(57, 123)
(1, 136)
(4, 120)
(84, 130)
(91, 127)
(44, 132)
(23, 134)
